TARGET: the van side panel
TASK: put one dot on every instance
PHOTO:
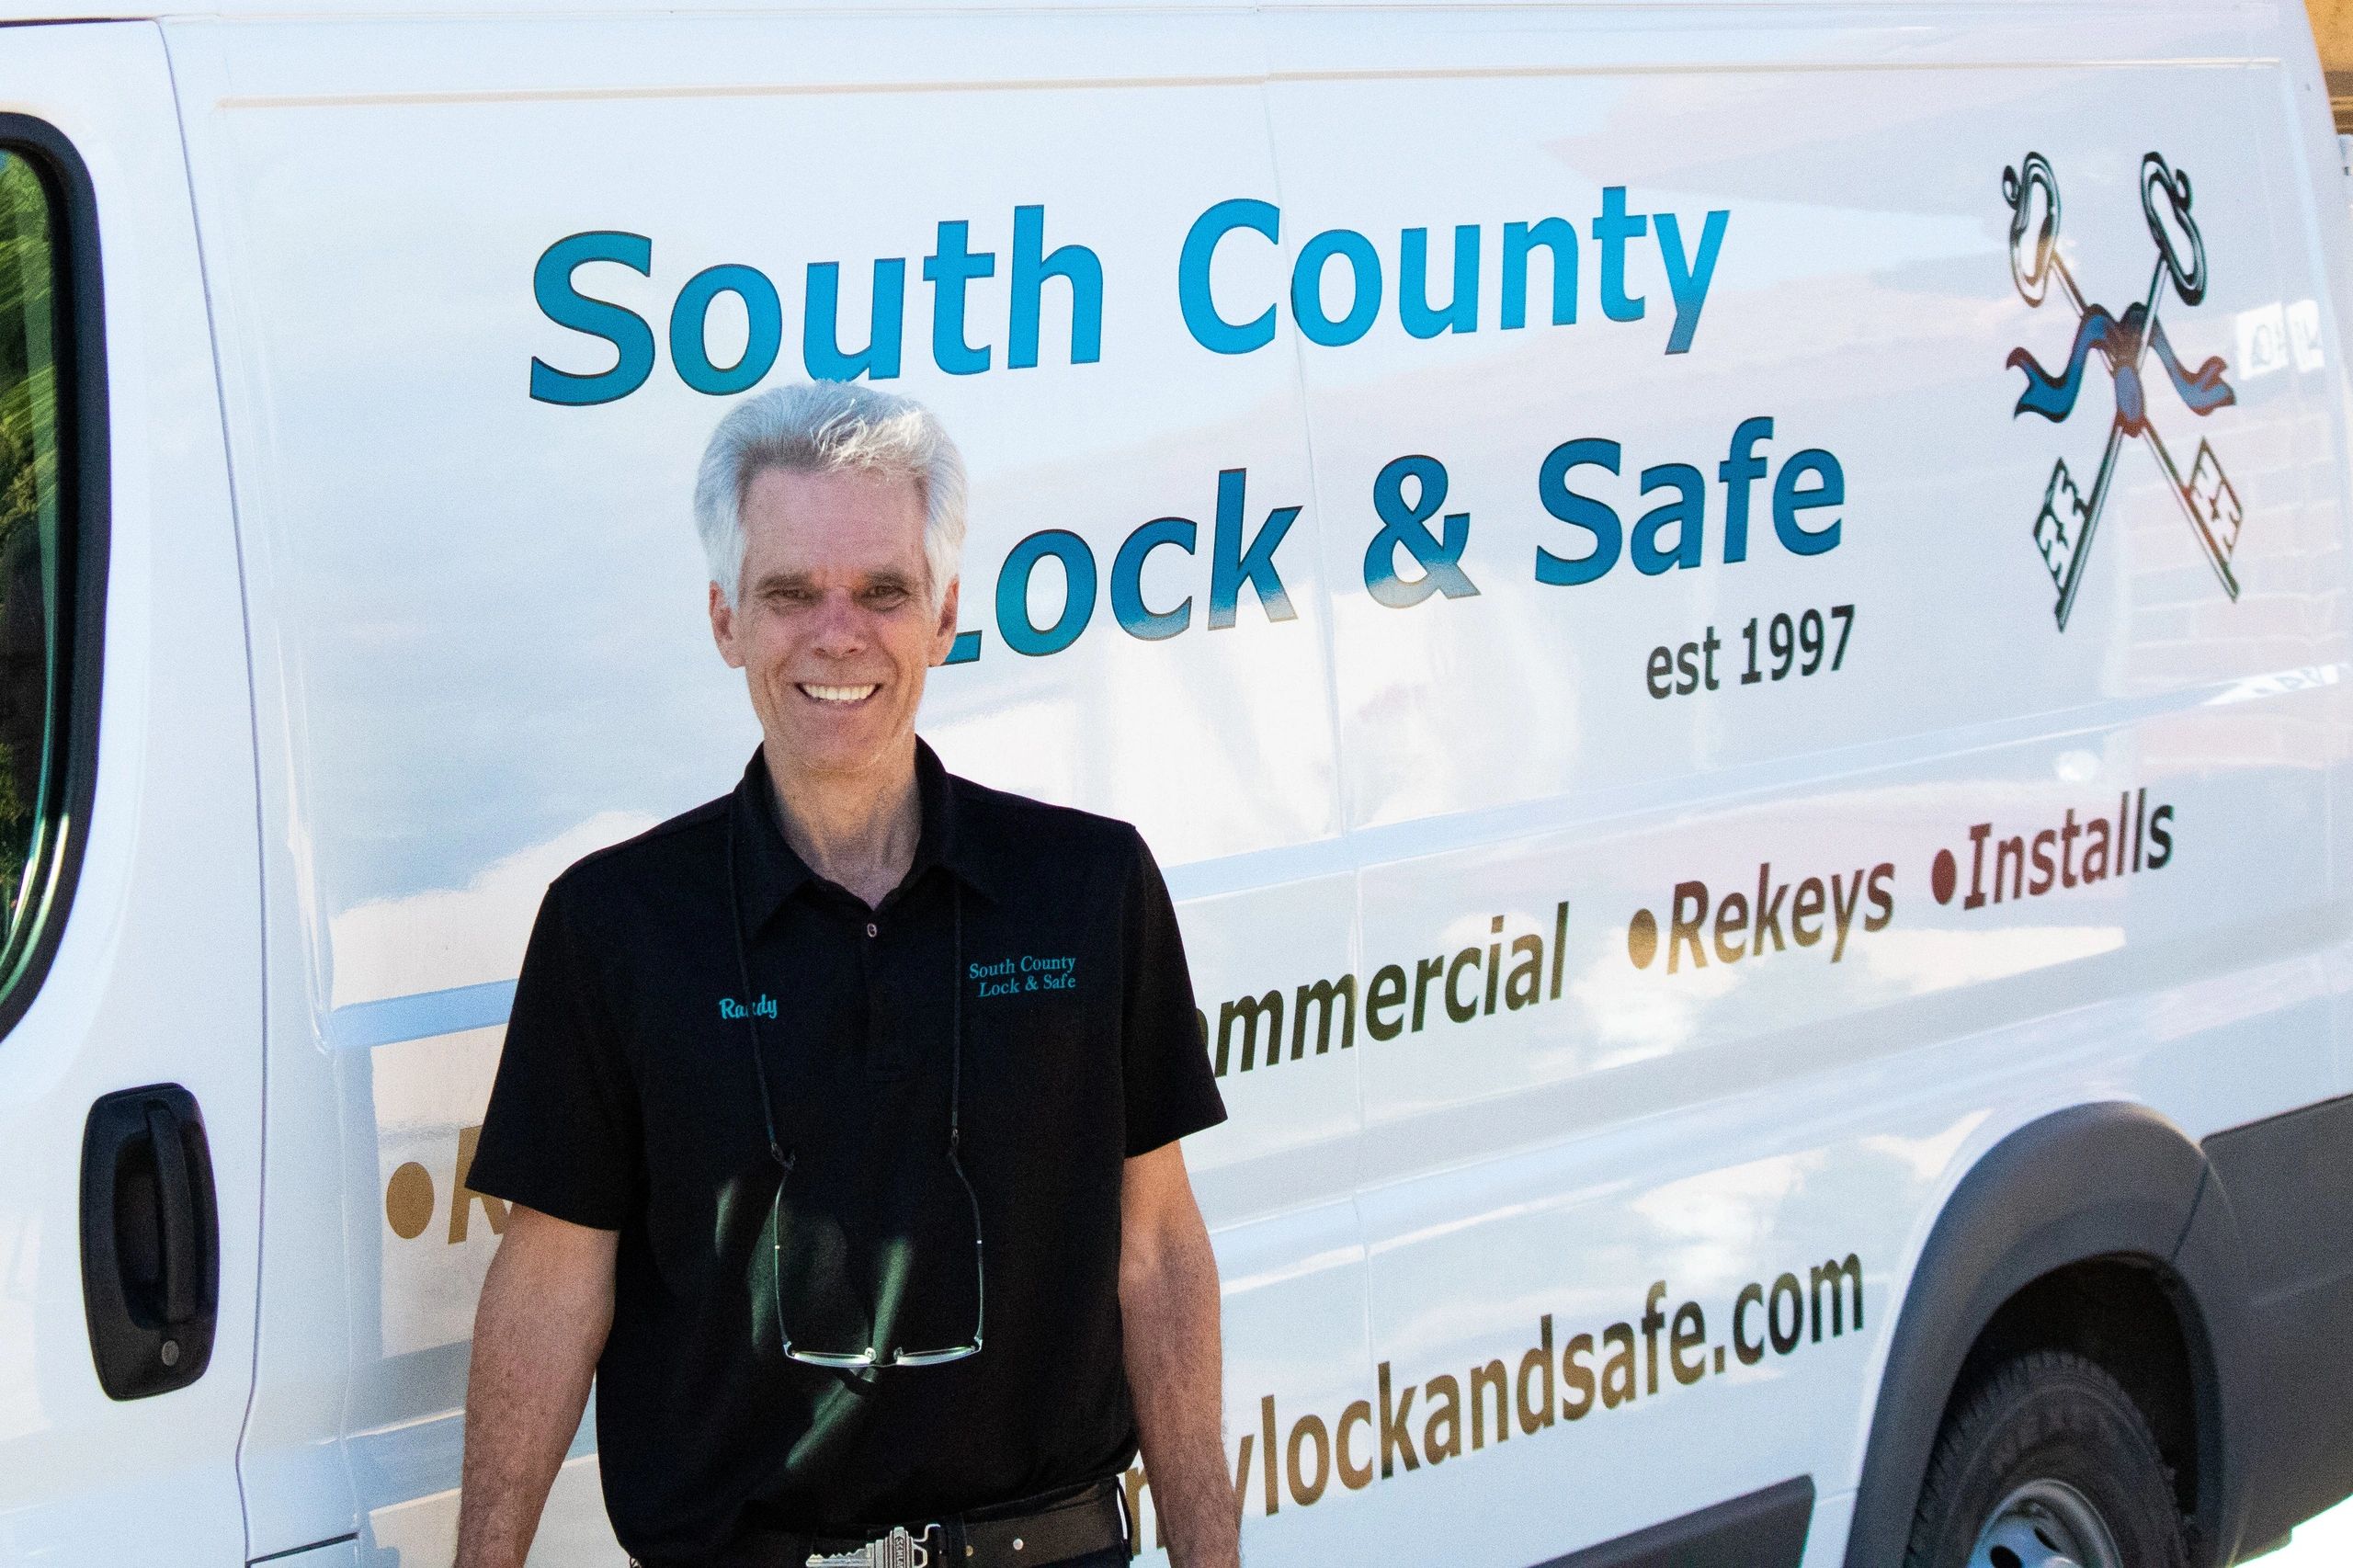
(1721, 1107)
(1577, 532)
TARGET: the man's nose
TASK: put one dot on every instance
(840, 629)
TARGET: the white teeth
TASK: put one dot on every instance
(838, 693)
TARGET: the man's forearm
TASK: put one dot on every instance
(537, 1337)
(1174, 1369)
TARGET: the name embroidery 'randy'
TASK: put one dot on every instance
(1029, 971)
(731, 1008)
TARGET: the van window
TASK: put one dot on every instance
(32, 715)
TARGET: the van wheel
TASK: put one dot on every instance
(2050, 1464)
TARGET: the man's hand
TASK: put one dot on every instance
(546, 1308)
(1169, 1309)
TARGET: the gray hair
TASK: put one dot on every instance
(829, 428)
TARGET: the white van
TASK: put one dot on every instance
(1748, 712)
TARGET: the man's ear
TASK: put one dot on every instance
(943, 636)
(723, 630)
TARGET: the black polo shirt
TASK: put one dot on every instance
(625, 1099)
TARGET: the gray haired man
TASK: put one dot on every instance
(840, 1114)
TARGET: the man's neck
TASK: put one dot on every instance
(858, 830)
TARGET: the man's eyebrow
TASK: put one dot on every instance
(888, 577)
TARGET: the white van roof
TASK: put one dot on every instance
(17, 11)
(21, 11)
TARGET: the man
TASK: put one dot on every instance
(839, 1115)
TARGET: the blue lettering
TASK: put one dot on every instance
(632, 340)
(1210, 330)
(821, 342)
(1013, 622)
(1789, 500)
(1230, 565)
(1613, 229)
(1672, 535)
(689, 319)
(1127, 580)
(952, 266)
(1461, 313)
(1074, 265)
(1688, 512)
(1440, 558)
(1688, 280)
(1578, 511)
(1556, 235)
(1307, 287)
(1740, 470)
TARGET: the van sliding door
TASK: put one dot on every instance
(130, 1045)
(487, 285)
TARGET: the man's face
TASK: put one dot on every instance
(832, 626)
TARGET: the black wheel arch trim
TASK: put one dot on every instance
(2091, 1181)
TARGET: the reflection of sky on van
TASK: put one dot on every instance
(1917, 963)
(468, 936)
(1631, 1021)
(1790, 241)
(1215, 742)
(1705, 1226)
(1926, 1157)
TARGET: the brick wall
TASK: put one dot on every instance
(2333, 26)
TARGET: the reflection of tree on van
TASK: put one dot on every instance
(28, 505)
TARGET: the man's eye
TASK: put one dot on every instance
(885, 597)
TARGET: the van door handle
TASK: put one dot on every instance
(151, 1256)
(174, 1214)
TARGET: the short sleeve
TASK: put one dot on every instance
(562, 1133)
(1170, 1088)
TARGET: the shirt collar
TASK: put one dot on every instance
(770, 870)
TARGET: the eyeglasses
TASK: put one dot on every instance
(871, 1356)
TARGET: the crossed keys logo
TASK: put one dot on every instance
(2064, 529)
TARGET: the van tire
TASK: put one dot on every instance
(2052, 1417)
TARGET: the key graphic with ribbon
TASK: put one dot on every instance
(2064, 529)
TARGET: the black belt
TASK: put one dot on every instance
(1054, 1527)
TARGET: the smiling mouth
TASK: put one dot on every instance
(842, 696)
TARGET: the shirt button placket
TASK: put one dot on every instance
(872, 929)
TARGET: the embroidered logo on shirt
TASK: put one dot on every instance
(1029, 971)
(731, 1008)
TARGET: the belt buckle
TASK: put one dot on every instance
(897, 1550)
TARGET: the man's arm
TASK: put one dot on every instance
(1168, 1307)
(546, 1307)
